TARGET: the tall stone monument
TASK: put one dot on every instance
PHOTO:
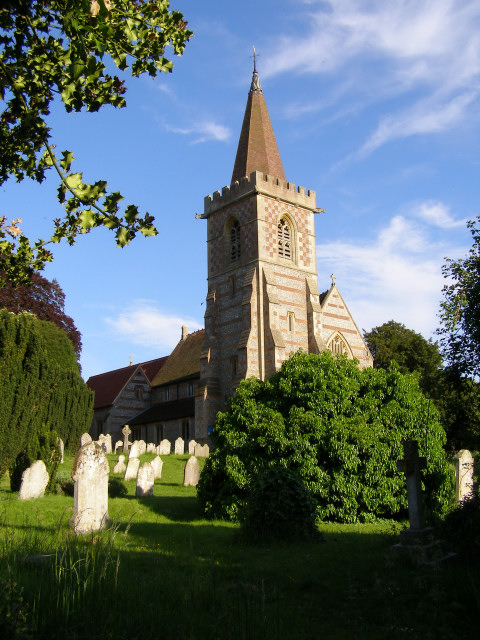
(90, 475)
(126, 431)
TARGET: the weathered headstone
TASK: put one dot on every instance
(90, 505)
(85, 438)
(179, 447)
(142, 447)
(132, 469)
(164, 448)
(120, 466)
(145, 480)
(191, 474)
(151, 447)
(61, 448)
(118, 444)
(463, 475)
(191, 447)
(201, 451)
(157, 464)
(134, 450)
(126, 431)
(105, 441)
(34, 481)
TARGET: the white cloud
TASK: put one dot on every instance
(397, 275)
(144, 324)
(203, 132)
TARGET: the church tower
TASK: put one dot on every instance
(263, 301)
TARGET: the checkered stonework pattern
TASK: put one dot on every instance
(218, 235)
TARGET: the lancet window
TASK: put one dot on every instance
(284, 239)
(235, 241)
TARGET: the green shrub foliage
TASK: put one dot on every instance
(42, 395)
(340, 429)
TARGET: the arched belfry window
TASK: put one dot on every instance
(285, 233)
(338, 345)
(235, 241)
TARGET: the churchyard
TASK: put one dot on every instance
(162, 570)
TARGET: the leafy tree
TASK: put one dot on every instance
(42, 395)
(46, 300)
(62, 49)
(392, 341)
(460, 310)
(338, 428)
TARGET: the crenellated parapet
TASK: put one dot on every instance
(259, 182)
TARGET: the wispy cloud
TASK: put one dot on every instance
(397, 275)
(143, 323)
(203, 132)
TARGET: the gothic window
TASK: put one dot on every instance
(338, 345)
(234, 365)
(235, 241)
(284, 239)
(291, 321)
(138, 391)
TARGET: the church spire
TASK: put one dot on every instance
(257, 147)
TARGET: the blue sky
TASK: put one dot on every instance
(375, 106)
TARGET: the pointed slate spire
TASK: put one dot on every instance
(257, 147)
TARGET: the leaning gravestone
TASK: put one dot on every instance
(145, 481)
(90, 474)
(191, 474)
(463, 475)
(134, 450)
(120, 466)
(85, 438)
(34, 481)
(191, 447)
(132, 469)
(126, 431)
(164, 448)
(179, 447)
(157, 464)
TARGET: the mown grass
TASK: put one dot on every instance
(163, 571)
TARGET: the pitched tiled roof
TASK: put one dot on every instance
(172, 410)
(108, 385)
(184, 360)
(257, 147)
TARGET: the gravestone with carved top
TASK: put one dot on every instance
(126, 431)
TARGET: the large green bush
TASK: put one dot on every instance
(339, 428)
(42, 394)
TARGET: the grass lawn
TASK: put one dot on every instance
(163, 571)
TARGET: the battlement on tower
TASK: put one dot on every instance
(259, 182)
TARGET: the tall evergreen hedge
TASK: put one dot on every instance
(41, 389)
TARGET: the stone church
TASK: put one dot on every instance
(262, 303)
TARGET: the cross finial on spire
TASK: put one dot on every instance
(254, 60)
(333, 277)
(255, 86)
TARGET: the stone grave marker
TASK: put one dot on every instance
(132, 469)
(126, 431)
(120, 466)
(157, 464)
(179, 447)
(145, 481)
(201, 451)
(85, 438)
(118, 444)
(105, 441)
(34, 481)
(134, 450)
(463, 475)
(191, 474)
(164, 448)
(142, 446)
(61, 448)
(191, 447)
(151, 448)
(90, 504)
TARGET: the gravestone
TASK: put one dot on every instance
(134, 450)
(201, 451)
(105, 442)
(179, 447)
(145, 481)
(34, 481)
(85, 438)
(151, 448)
(164, 448)
(61, 448)
(463, 475)
(157, 464)
(191, 447)
(120, 466)
(118, 444)
(132, 469)
(142, 447)
(126, 431)
(90, 502)
(191, 473)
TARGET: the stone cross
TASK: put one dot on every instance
(411, 465)
(126, 432)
